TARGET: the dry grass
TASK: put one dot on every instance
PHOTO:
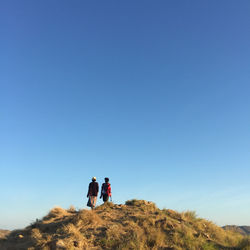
(135, 225)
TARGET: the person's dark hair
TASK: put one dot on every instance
(106, 179)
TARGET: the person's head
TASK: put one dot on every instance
(106, 179)
(93, 178)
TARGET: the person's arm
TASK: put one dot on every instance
(88, 190)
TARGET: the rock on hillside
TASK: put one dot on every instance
(3, 233)
(136, 225)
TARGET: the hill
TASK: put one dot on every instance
(136, 225)
(244, 230)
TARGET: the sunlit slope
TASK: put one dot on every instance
(136, 225)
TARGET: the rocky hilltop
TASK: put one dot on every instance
(136, 225)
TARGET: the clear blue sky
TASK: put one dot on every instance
(153, 94)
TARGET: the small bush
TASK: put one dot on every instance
(55, 213)
(189, 215)
(71, 209)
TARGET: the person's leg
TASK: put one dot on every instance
(105, 198)
(93, 202)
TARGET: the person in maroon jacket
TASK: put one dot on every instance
(93, 192)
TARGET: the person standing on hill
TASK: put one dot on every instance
(106, 190)
(93, 193)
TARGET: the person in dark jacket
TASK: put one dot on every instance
(93, 192)
(106, 190)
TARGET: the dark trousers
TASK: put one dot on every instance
(105, 197)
